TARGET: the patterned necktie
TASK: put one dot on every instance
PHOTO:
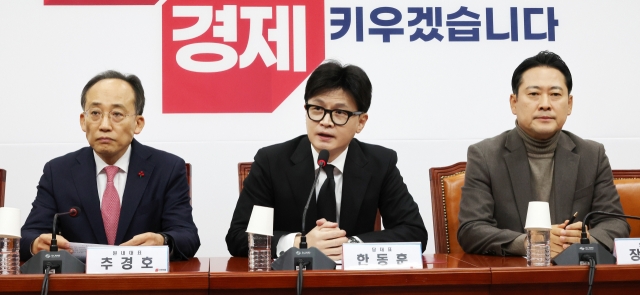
(110, 205)
(327, 197)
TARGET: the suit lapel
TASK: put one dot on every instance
(135, 187)
(519, 173)
(300, 176)
(354, 186)
(84, 178)
(565, 175)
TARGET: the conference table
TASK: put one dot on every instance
(442, 274)
(185, 277)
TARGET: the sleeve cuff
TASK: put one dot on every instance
(516, 247)
(286, 242)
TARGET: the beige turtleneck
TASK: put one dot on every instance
(540, 154)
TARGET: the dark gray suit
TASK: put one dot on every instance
(497, 191)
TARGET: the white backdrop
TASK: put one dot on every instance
(430, 100)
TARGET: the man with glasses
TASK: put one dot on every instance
(129, 194)
(359, 179)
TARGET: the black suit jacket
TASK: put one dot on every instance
(156, 202)
(497, 191)
(282, 175)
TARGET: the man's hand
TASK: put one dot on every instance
(564, 235)
(43, 243)
(327, 237)
(145, 239)
(556, 244)
(572, 233)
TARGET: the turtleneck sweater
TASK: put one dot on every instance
(540, 154)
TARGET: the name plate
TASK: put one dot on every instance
(127, 259)
(372, 256)
(627, 251)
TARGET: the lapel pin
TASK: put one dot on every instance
(141, 174)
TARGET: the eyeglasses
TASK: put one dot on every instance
(338, 117)
(95, 115)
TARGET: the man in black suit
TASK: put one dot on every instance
(129, 194)
(361, 178)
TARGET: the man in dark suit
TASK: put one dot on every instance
(129, 194)
(537, 161)
(360, 179)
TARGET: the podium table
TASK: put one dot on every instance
(442, 274)
(185, 277)
(510, 275)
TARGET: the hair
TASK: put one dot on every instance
(133, 81)
(332, 75)
(542, 59)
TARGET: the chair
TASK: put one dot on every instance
(188, 166)
(3, 181)
(628, 185)
(446, 190)
(243, 172)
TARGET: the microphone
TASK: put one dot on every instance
(580, 254)
(323, 158)
(54, 261)
(303, 258)
(73, 212)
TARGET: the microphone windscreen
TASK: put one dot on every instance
(74, 211)
(323, 158)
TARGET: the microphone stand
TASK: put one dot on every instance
(578, 254)
(586, 253)
(303, 237)
(54, 261)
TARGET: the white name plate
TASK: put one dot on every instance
(370, 256)
(127, 259)
(627, 251)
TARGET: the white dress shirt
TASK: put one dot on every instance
(119, 181)
(288, 241)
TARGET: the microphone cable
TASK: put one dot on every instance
(300, 277)
(45, 282)
(592, 272)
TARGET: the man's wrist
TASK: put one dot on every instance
(165, 239)
(31, 247)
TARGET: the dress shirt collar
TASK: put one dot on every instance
(337, 162)
(122, 163)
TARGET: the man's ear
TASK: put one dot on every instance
(139, 124)
(82, 122)
(362, 120)
(513, 98)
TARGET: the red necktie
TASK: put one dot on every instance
(110, 205)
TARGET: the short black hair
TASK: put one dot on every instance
(542, 59)
(133, 81)
(332, 75)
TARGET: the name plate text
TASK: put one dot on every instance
(378, 256)
(127, 259)
(627, 251)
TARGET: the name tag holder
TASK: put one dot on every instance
(627, 251)
(381, 256)
(127, 259)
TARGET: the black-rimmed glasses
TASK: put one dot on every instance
(338, 117)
